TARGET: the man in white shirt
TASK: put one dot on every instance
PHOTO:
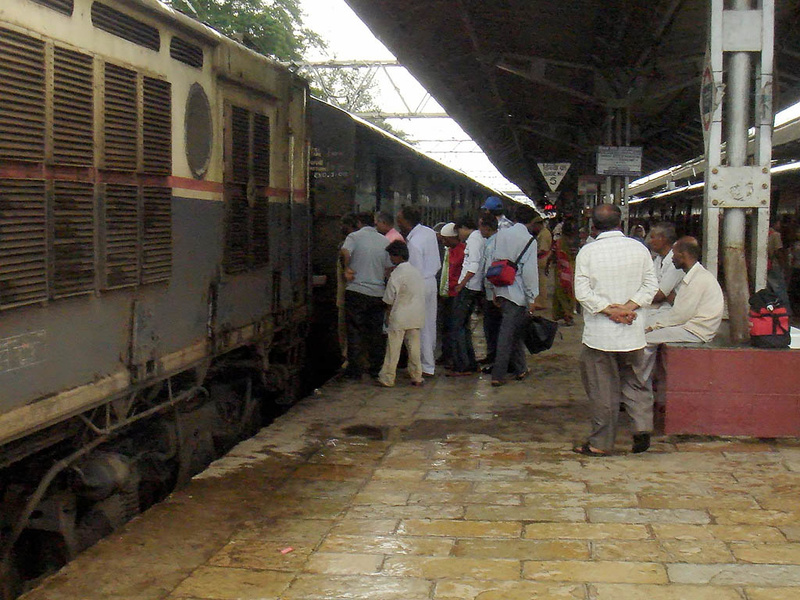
(660, 240)
(405, 294)
(423, 251)
(699, 303)
(515, 301)
(614, 276)
(695, 316)
(467, 291)
(492, 316)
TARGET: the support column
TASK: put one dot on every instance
(739, 33)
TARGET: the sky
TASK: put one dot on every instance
(349, 39)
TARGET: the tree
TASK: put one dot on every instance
(271, 27)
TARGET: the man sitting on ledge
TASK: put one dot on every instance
(696, 314)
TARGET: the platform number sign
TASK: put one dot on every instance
(553, 173)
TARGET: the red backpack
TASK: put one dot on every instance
(769, 321)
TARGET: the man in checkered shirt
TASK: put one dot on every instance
(614, 276)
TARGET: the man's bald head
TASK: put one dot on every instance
(685, 253)
(606, 217)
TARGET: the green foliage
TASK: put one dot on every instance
(271, 27)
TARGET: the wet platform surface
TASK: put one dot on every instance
(461, 491)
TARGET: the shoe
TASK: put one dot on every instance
(523, 375)
(498, 382)
(459, 373)
(418, 383)
(587, 450)
(641, 442)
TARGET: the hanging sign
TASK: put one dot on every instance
(625, 161)
(553, 173)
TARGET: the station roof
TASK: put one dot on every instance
(534, 80)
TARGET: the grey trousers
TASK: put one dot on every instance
(611, 378)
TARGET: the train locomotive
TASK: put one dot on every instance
(159, 237)
(154, 261)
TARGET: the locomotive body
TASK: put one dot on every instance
(154, 254)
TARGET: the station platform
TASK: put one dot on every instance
(461, 491)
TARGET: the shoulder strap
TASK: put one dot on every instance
(524, 250)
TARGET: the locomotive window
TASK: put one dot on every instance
(62, 6)
(199, 131)
(186, 53)
(124, 26)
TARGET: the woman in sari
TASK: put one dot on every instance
(564, 252)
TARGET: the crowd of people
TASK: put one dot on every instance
(635, 293)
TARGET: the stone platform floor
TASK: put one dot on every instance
(460, 491)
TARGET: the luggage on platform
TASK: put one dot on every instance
(769, 321)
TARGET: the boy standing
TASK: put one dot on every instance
(405, 294)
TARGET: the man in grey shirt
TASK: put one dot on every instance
(365, 263)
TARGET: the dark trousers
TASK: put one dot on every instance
(460, 331)
(492, 316)
(364, 318)
(510, 349)
(444, 315)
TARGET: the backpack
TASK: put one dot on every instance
(769, 321)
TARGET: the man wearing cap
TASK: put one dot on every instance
(451, 271)
(494, 206)
(544, 243)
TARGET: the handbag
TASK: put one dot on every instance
(501, 273)
(539, 334)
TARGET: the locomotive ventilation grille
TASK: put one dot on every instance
(62, 231)
(246, 189)
(62, 6)
(124, 26)
(187, 53)
(120, 118)
(73, 109)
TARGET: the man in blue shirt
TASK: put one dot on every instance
(515, 301)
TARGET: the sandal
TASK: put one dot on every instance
(523, 375)
(587, 450)
(498, 382)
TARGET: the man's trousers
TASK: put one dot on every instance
(393, 346)
(611, 378)
(427, 340)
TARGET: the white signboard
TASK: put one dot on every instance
(553, 173)
(619, 160)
